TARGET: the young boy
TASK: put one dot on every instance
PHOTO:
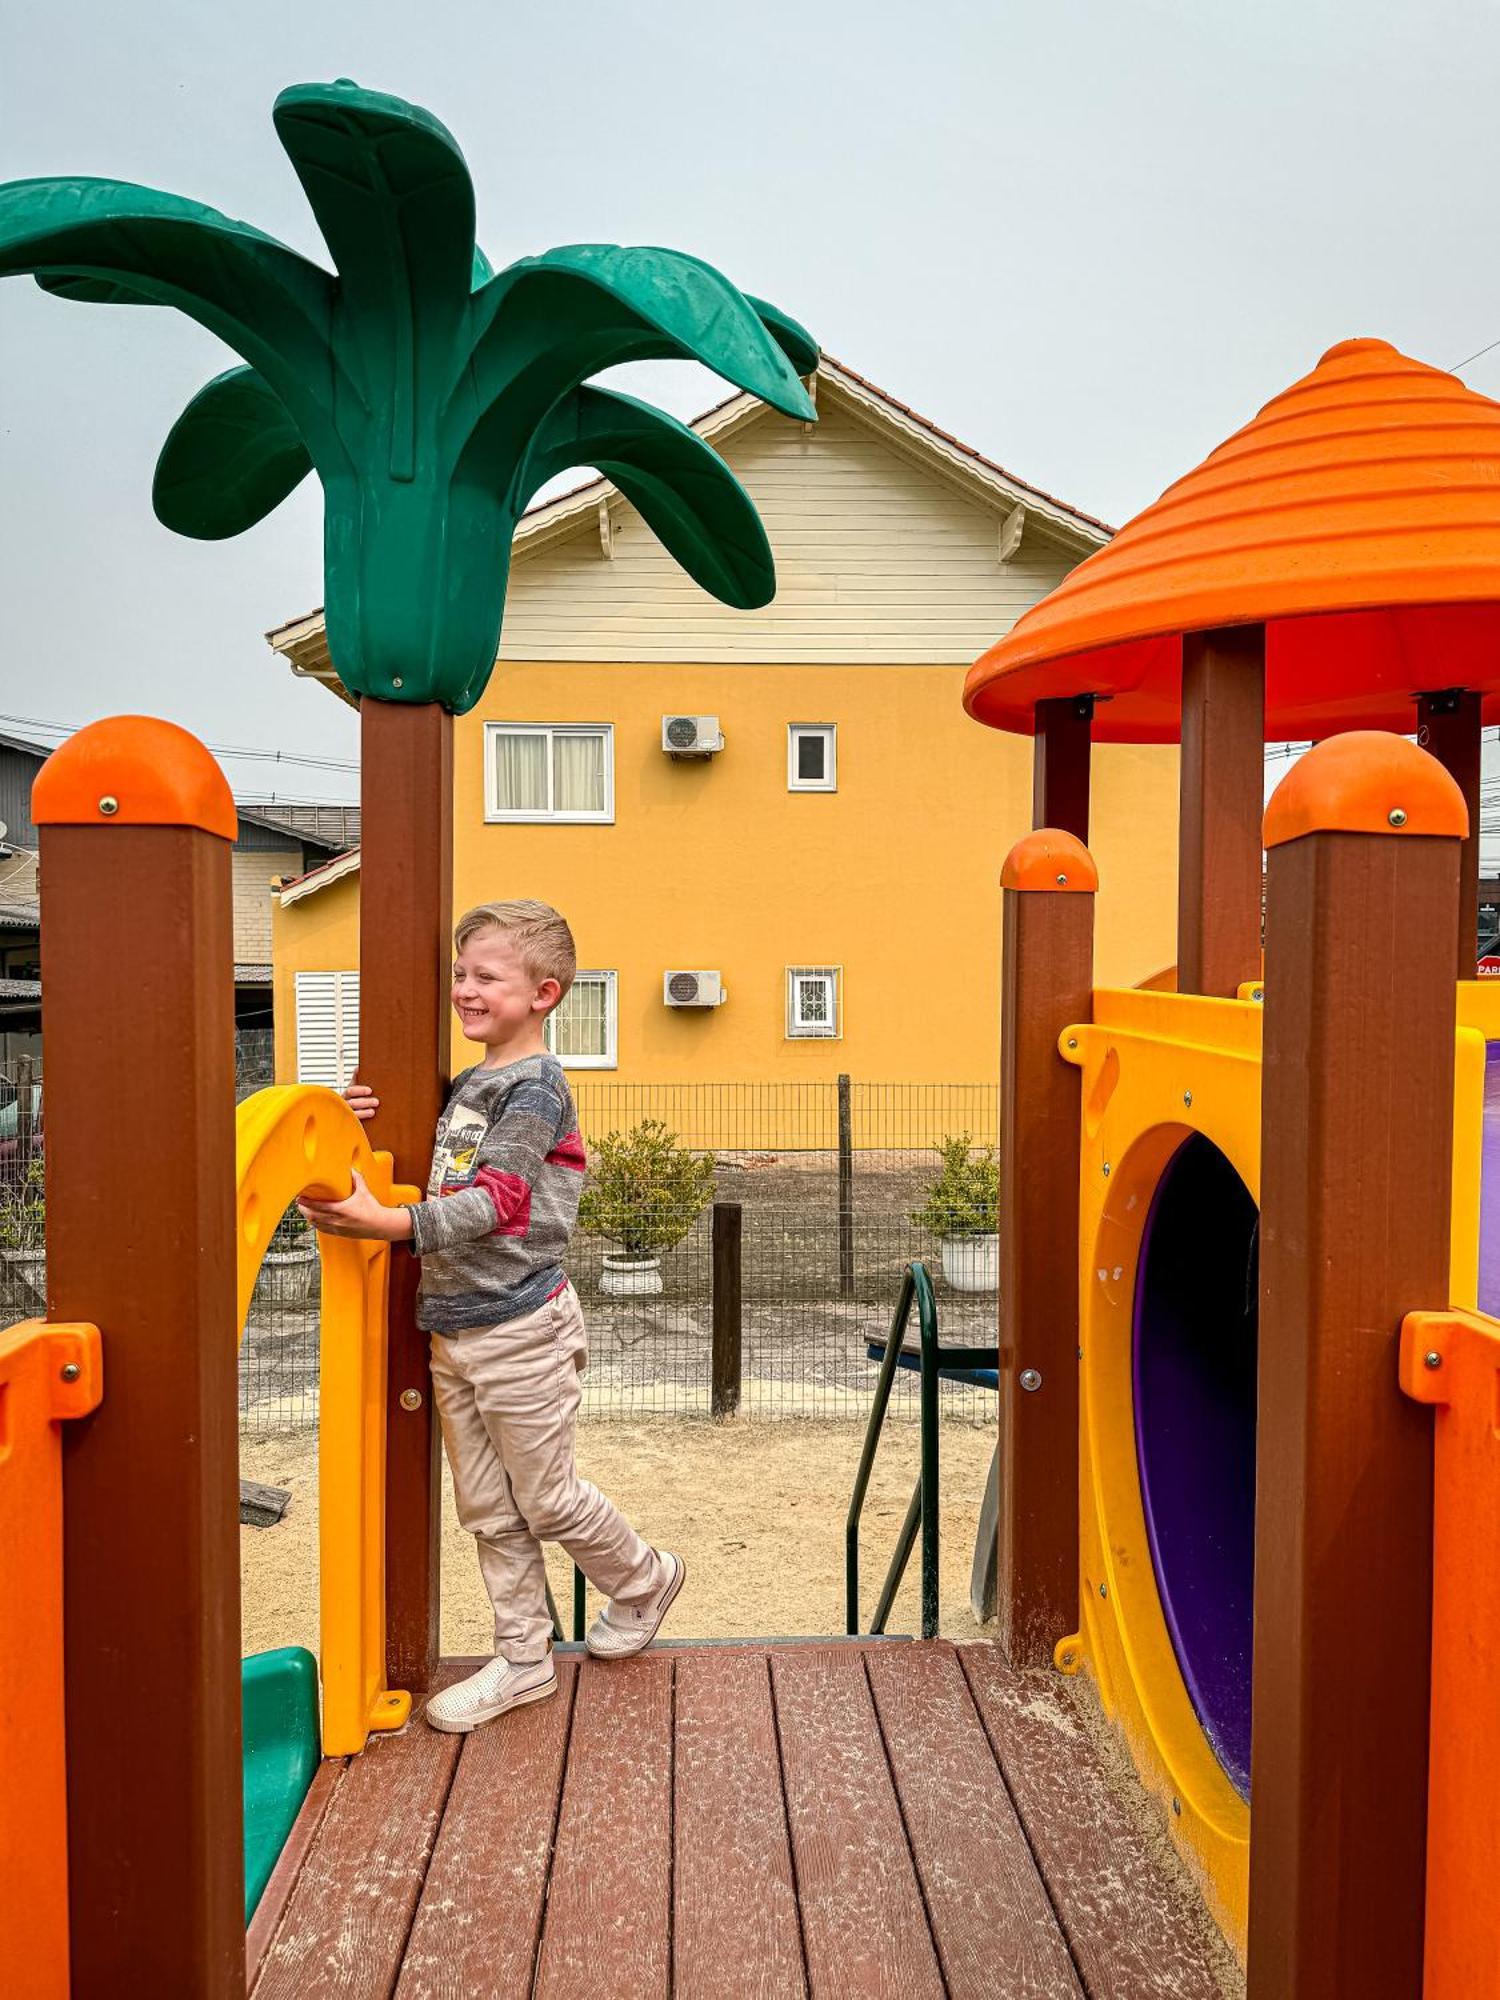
(508, 1342)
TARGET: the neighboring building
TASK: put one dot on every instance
(836, 863)
(274, 841)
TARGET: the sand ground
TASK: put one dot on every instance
(756, 1509)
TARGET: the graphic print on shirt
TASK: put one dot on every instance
(456, 1151)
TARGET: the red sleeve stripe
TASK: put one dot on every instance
(510, 1198)
(569, 1152)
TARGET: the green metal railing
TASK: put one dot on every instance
(579, 1586)
(923, 1510)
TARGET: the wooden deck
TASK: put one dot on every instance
(766, 1820)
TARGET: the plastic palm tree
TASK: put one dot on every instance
(431, 396)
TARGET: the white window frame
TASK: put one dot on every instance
(815, 1031)
(341, 991)
(829, 782)
(611, 1057)
(495, 814)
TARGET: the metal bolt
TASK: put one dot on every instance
(395, 680)
(1432, 1359)
(1104, 1590)
(1187, 1097)
(1259, 993)
(1068, 1657)
(1062, 881)
(70, 1371)
(109, 805)
(1072, 1041)
(411, 1399)
(1106, 1169)
(1031, 1378)
(1397, 816)
(1080, 1354)
(1177, 1807)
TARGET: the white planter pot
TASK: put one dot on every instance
(30, 1267)
(287, 1277)
(972, 1263)
(631, 1277)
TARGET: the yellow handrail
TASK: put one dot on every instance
(290, 1140)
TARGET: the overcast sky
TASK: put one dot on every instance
(1090, 237)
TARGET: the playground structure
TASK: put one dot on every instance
(1277, 1173)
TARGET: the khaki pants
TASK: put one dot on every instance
(507, 1397)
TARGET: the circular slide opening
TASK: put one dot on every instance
(1196, 1309)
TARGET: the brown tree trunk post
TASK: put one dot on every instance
(405, 977)
(1048, 881)
(846, 1188)
(136, 826)
(1357, 1152)
(1223, 791)
(1061, 752)
(724, 1396)
(1450, 726)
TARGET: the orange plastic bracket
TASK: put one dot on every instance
(1050, 859)
(48, 1373)
(1451, 1360)
(134, 770)
(1365, 781)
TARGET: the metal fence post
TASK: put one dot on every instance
(725, 1391)
(846, 1190)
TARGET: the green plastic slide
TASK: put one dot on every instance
(279, 1710)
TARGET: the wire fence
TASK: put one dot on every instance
(833, 1184)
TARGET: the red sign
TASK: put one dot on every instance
(1489, 968)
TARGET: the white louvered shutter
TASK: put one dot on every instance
(327, 1027)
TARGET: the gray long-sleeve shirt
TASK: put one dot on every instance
(502, 1197)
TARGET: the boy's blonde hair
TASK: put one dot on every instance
(544, 943)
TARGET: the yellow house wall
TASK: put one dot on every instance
(893, 877)
(316, 934)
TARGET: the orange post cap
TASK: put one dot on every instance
(1050, 859)
(133, 770)
(1366, 781)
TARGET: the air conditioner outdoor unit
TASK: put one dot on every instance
(691, 735)
(692, 989)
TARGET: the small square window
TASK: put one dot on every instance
(813, 994)
(582, 1030)
(812, 757)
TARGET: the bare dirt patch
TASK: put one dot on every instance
(757, 1510)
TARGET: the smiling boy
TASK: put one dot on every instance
(507, 1333)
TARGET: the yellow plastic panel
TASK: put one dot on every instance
(292, 1140)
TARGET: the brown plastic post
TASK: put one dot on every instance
(725, 1388)
(1061, 751)
(405, 978)
(1222, 798)
(1048, 881)
(137, 970)
(1449, 724)
(1357, 1150)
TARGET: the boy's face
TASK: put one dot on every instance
(495, 997)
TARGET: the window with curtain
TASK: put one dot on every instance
(581, 1031)
(549, 771)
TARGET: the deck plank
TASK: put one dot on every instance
(994, 1926)
(480, 1917)
(607, 1922)
(863, 1921)
(1134, 1928)
(346, 1924)
(735, 1927)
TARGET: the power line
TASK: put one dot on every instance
(1473, 357)
(240, 753)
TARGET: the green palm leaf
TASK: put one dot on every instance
(263, 300)
(683, 490)
(554, 320)
(794, 340)
(231, 457)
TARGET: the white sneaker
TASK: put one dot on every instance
(623, 1629)
(496, 1687)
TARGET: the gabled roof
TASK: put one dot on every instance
(322, 877)
(332, 826)
(304, 644)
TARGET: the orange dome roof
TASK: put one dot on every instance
(1358, 515)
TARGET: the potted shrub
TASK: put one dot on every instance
(644, 1193)
(289, 1269)
(23, 1226)
(962, 1209)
